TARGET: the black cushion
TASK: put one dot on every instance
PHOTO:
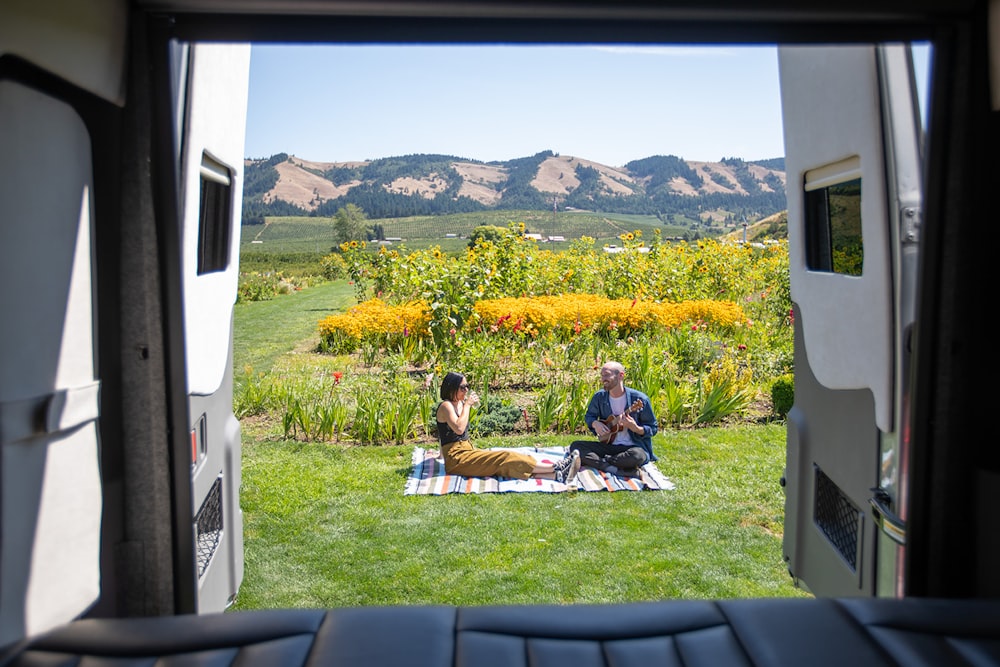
(759, 632)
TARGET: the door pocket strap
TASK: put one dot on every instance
(62, 410)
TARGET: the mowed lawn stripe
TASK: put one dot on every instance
(265, 330)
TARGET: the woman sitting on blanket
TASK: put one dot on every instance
(461, 458)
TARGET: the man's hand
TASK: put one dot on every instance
(631, 424)
(600, 427)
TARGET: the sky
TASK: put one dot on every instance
(608, 104)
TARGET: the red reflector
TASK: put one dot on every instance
(194, 446)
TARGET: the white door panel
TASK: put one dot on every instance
(51, 488)
(847, 320)
(853, 181)
(217, 104)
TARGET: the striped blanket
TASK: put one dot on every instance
(429, 478)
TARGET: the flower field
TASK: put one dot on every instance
(703, 328)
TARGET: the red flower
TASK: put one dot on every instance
(741, 346)
(336, 377)
(633, 303)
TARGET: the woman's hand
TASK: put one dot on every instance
(472, 398)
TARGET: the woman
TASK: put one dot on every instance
(461, 458)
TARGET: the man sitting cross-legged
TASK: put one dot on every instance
(623, 421)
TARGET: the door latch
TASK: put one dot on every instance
(887, 520)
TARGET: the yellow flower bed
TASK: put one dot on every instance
(570, 311)
(377, 317)
(566, 313)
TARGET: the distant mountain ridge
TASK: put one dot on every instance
(424, 184)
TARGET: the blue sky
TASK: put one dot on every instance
(607, 104)
(489, 103)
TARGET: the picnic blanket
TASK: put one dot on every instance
(429, 478)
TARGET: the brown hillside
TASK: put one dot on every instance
(303, 188)
(299, 182)
(478, 181)
(557, 175)
(706, 169)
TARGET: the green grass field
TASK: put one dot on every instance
(327, 524)
(316, 235)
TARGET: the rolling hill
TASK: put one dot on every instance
(664, 186)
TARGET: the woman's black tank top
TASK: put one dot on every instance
(447, 436)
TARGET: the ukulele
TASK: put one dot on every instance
(614, 422)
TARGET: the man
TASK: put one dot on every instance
(623, 421)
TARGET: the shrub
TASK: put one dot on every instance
(783, 394)
(255, 286)
(333, 266)
(496, 418)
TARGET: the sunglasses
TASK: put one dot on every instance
(463, 387)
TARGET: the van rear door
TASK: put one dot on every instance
(212, 100)
(852, 145)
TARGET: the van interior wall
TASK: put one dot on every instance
(138, 541)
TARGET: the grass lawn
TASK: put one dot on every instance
(265, 330)
(327, 524)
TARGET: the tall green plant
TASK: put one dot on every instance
(548, 407)
(570, 418)
(672, 403)
(403, 410)
(369, 425)
(720, 401)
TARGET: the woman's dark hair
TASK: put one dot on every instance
(450, 384)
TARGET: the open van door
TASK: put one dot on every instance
(853, 164)
(211, 98)
(119, 236)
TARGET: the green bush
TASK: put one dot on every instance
(783, 395)
(495, 418)
(255, 286)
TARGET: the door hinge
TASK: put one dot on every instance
(911, 224)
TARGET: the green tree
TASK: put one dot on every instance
(350, 224)
(487, 233)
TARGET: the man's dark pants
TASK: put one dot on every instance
(599, 455)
